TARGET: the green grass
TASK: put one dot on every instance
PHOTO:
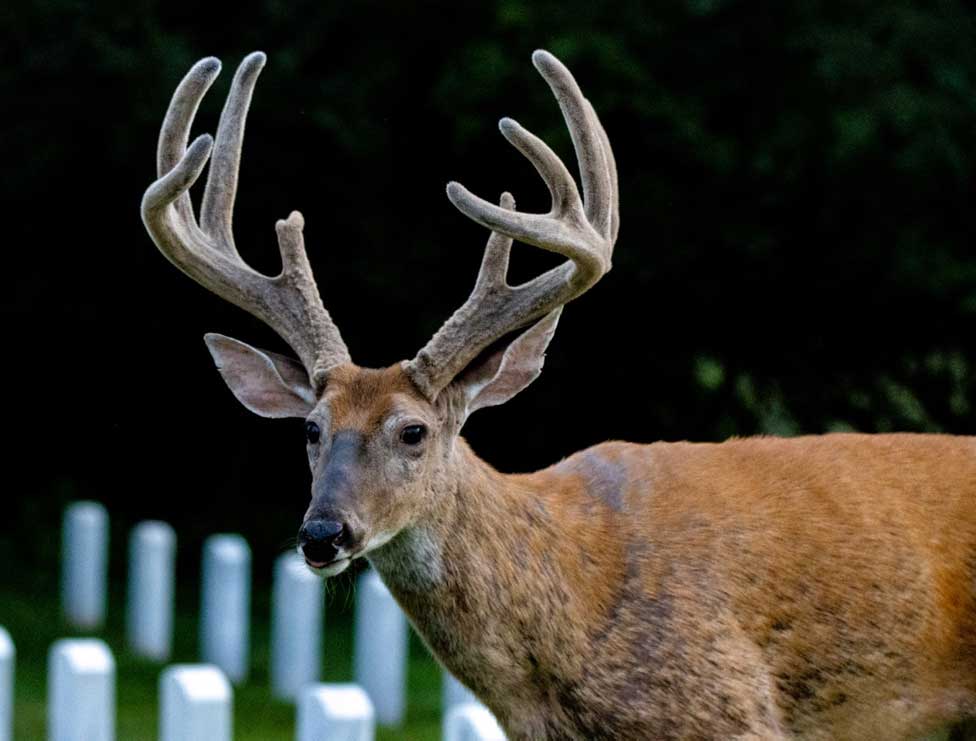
(34, 622)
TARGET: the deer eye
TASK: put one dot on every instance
(312, 432)
(412, 434)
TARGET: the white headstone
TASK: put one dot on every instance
(454, 693)
(81, 691)
(471, 722)
(380, 649)
(225, 605)
(296, 627)
(195, 704)
(84, 564)
(334, 712)
(8, 657)
(149, 610)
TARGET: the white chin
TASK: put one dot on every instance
(334, 568)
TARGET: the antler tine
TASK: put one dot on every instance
(439, 361)
(581, 229)
(289, 303)
(175, 133)
(614, 195)
(216, 210)
(562, 188)
(584, 131)
(494, 265)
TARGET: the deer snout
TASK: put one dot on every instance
(320, 541)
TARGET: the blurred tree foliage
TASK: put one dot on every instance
(796, 253)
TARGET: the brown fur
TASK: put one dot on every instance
(814, 588)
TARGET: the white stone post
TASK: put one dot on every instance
(225, 605)
(84, 564)
(380, 649)
(334, 712)
(296, 627)
(195, 704)
(454, 693)
(149, 607)
(81, 691)
(471, 722)
(8, 657)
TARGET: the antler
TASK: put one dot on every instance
(289, 303)
(582, 229)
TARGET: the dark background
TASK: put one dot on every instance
(796, 252)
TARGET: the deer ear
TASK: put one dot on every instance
(267, 383)
(497, 376)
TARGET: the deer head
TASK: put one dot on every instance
(381, 442)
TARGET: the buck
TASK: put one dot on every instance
(806, 588)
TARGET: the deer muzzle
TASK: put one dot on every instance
(320, 541)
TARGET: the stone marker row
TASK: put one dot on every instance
(381, 636)
(195, 701)
(84, 578)
(225, 598)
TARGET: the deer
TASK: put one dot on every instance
(815, 587)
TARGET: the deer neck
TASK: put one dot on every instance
(490, 581)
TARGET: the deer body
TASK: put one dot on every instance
(813, 588)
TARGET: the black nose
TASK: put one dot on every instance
(320, 540)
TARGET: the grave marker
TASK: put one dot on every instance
(84, 564)
(380, 648)
(334, 712)
(149, 607)
(81, 691)
(296, 627)
(8, 657)
(195, 704)
(225, 605)
(472, 722)
(454, 693)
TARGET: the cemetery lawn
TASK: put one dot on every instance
(32, 616)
